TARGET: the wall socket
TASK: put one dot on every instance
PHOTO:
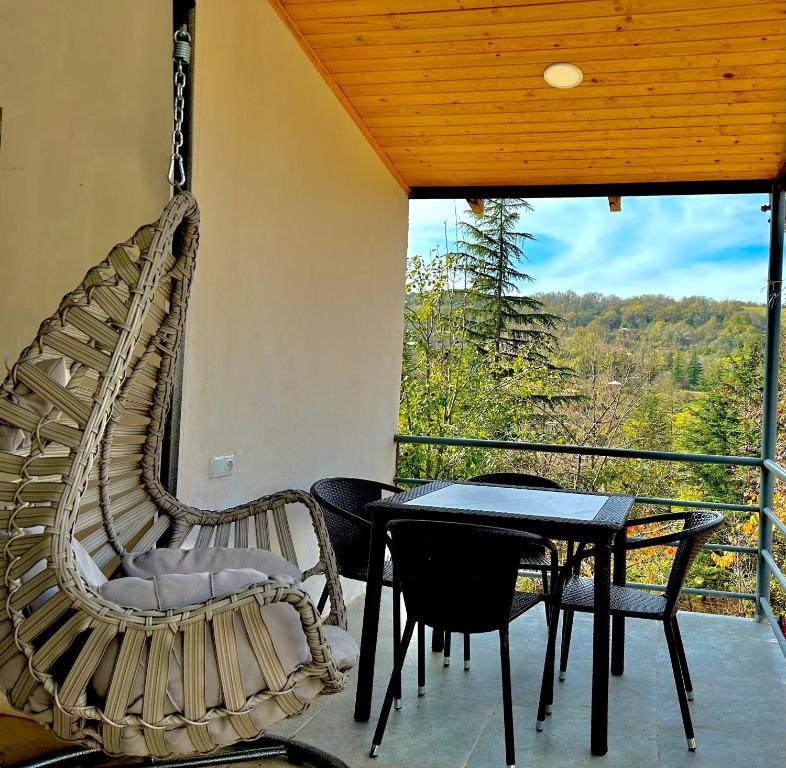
(222, 466)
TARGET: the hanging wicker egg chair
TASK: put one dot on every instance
(187, 649)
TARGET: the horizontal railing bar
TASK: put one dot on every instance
(695, 504)
(774, 568)
(775, 468)
(695, 591)
(774, 520)
(730, 548)
(582, 450)
(776, 628)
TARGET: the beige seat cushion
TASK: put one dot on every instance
(180, 590)
(177, 590)
(157, 562)
(343, 647)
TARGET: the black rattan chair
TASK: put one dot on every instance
(482, 598)
(343, 501)
(576, 593)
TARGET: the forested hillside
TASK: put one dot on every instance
(690, 335)
(647, 372)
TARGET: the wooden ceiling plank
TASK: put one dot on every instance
(565, 115)
(546, 146)
(628, 55)
(760, 61)
(556, 176)
(536, 105)
(732, 62)
(745, 133)
(535, 153)
(334, 9)
(577, 12)
(327, 9)
(509, 80)
(745, 123)
(525, 94)
(557, 43)
(545, 160)
(606, 25)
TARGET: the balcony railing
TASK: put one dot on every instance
(766, 567)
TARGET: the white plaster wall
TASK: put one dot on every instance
(85, 94)
(294, 337)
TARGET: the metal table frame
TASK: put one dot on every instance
(605, 531)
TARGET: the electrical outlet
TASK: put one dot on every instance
(222, 466)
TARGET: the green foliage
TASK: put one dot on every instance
(648, 372)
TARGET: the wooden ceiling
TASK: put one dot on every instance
(450, 93)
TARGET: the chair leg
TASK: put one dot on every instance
(397, 639)
(567, 629)
(322, 600)
(388, 702)
(544, 578)
(507, 697)
(437, 640)
(683, 659)
(467, 651)
(421, 659)
(547, 685)
(446, 651)
(671, 641)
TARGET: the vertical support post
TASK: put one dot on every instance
(769, 422)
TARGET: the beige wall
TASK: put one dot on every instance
(85, 98)
(294, 339)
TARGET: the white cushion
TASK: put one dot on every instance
(177, 590)
(343, 647)
(158, 562)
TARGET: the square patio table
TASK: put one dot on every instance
(557, 514)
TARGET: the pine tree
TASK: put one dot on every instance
(502, 321)
(694, 371)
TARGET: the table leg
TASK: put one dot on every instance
(600, 650)
(618, 622)
(368, 638)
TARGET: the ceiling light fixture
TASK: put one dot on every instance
(563, 75)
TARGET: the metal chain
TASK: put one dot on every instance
(182, 56)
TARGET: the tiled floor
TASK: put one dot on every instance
(739, 713)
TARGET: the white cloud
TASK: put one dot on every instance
(679, 246)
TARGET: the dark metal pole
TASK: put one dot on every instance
(769, 420)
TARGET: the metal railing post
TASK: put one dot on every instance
(769, 420)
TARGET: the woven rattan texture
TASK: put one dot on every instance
(343, 501)
(80, 457)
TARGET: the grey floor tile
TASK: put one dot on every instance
(739, 713)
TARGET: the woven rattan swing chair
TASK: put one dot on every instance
(147, 663)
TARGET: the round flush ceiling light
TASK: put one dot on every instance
(563, 75)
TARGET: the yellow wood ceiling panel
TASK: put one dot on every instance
(451, 92)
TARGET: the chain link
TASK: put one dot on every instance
(182, 54)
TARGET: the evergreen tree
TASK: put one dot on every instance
(501, 320)
(694, 371)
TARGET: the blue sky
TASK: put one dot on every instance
(705, 245)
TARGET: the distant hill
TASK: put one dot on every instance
(700, 325)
